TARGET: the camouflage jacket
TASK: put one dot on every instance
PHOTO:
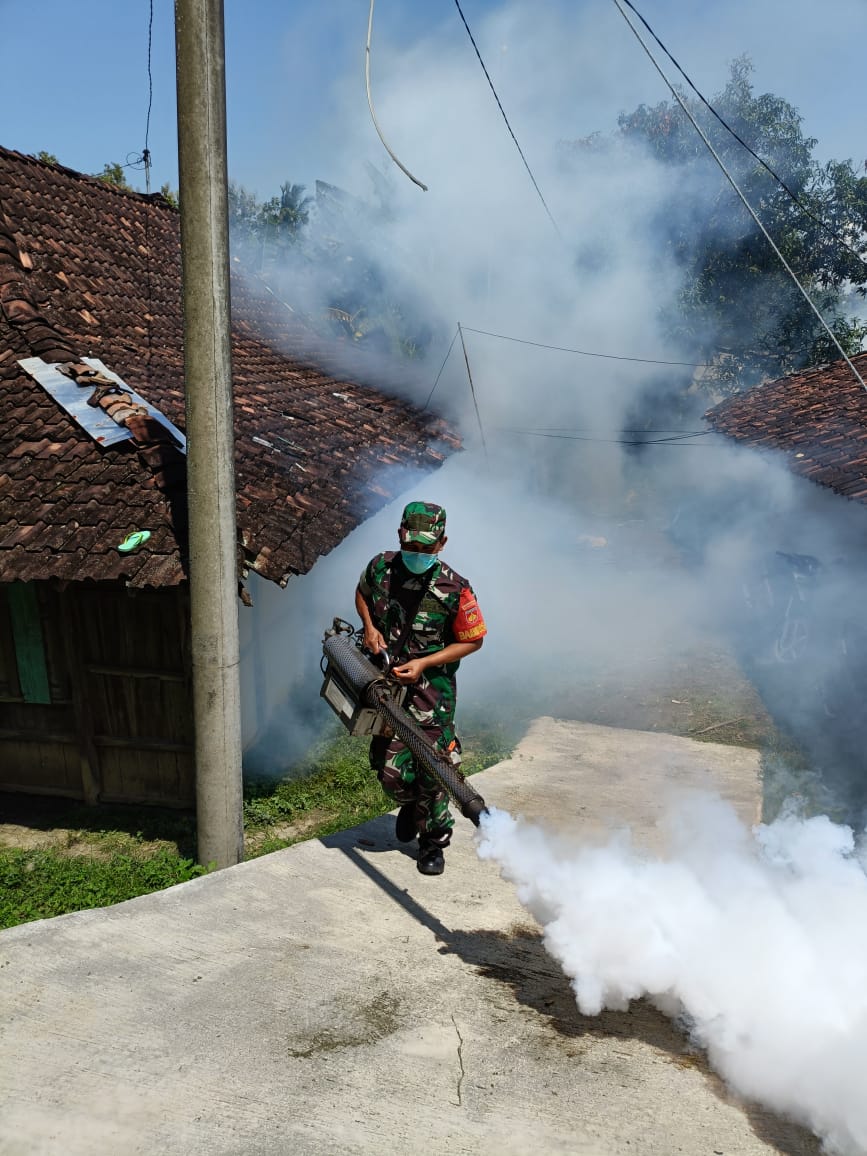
(391, 592)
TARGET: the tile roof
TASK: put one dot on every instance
(88, 270)
(817, 418)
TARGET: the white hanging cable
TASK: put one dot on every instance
(402, 168)
(742, 197)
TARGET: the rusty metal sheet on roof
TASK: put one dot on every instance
(156, 414)
(73, 398)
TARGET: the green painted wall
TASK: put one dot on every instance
(29, 643)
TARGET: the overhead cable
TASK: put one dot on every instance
(589, 353)
(794, 196)
(610, 441)
(442, 367)
(505, 118)
(146, 155)
(473, 389)
(741, 196)
(402, 168)
(588, 429)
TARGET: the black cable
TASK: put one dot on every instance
(442, 367)
(551, 429)
(588, 353)
(505, 118)
(794, 196)
(741, 195)
(146, 156)
(610, 441)
(473, 390)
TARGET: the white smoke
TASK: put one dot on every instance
(758, 939)
(479, 248)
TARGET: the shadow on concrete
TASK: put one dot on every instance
(46, 813)
(516, 959)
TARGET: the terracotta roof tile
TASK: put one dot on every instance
(817, 418)
(101, 277)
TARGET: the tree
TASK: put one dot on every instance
(114, 174)
(169, 194)
(738, 308)
(244, 212)
(331, 264)
(262, 233)
(285, 216)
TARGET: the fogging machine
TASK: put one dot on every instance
(369, 702)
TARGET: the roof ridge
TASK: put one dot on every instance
(89, 178)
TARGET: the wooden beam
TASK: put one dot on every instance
(135, 672)
(11, 734)
(134, 742)
(64, 738)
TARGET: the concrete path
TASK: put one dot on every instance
(329, 999)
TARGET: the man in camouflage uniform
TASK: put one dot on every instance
(412, 602)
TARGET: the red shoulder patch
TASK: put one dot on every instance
(469, 625)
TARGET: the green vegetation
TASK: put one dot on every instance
(42, 883)
(93, 858)
(738, 308)
(334, 254)
(114, 174)
(170, 195)
(333, 788)
(262, 233)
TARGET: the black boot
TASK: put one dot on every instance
(431, 860)
(431, 845)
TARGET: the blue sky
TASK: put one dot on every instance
(74, 78)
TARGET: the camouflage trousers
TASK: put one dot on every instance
(405, 782)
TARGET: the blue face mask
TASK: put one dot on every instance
(417, 563)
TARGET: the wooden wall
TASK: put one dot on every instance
(95, 698)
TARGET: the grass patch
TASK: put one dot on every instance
(42, 883)
(333, 788)
(79, 857)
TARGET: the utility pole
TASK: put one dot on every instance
(199, 34)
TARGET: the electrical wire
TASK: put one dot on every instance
(505, 118)
(611, 441)
(794, 196)
(142, 160)
(402, 168)
(741, 196)
(589, 353)
(585, 430)
(473, 390)
(442, 367)
(146, 155)
(622, 357)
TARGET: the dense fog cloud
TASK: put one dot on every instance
(588, 551)
(478, 248)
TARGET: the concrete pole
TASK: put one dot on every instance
(210, 445)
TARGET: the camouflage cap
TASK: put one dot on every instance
(422, 522)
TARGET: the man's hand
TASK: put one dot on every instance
(409, 671)
(373, 640)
